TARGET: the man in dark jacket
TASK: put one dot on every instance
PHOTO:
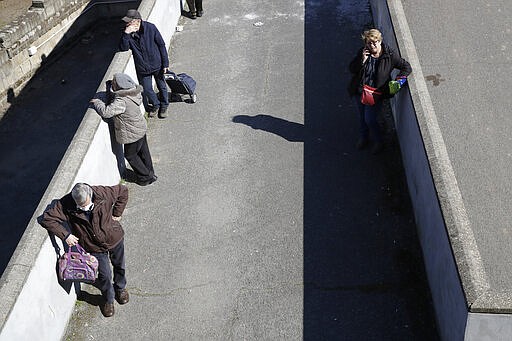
(93, 214)
(151, 60)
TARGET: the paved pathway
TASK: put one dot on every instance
(265, 222)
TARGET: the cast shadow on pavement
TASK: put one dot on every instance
(364, 277)
(291, 131)
(87, 297)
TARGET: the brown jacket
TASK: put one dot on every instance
(102, 233)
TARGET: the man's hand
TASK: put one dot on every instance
(72, 240)
(132, 26)
(116, 218)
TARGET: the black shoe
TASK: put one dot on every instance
(200, 13)
(147, 182)
(162, 112)
(377, 148)
(107, 309)
(152, 113)
(192, 15)
(362, 143)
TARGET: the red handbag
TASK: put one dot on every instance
(370, 95)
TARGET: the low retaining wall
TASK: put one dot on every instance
(416, 143)
(457, 279)
(33, 304)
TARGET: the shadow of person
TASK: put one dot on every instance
(130, 176)
(173, 98)
(10, 95)
(87, 297)
(291, 131)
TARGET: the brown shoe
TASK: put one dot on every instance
(122, 296)
(107, 309)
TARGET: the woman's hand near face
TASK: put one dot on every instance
(366, 53)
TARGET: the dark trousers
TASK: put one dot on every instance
(195, 5)
(137, 154)
(104, 280)
(368, 123)
(152, 101)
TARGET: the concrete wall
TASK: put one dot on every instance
(34, 305)
(442, 272)
(489, 327)
(457, 279)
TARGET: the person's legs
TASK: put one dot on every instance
(192, 7)
(363, 127)
(151, 102)
(104, 280)
(368, 124)
(118, 263)
(145, 155)
(371, 114)
(163, 93)
(199, 7)
(131, 153)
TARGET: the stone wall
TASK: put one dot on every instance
(27, 42)
(41, 29)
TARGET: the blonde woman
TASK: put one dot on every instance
(372, 66)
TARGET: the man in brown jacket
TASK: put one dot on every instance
(93, 214)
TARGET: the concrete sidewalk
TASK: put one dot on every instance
(214, 247)
(219, 248)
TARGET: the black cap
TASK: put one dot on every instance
(131, 15)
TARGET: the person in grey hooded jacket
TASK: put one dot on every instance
(124, 98)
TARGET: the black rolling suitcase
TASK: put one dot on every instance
(181, 84)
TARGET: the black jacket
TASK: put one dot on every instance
(148, 49)
(388, 61)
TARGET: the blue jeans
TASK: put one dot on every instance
(152, 101)
(104, 280)
(368, 119)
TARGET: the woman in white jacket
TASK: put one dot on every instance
(124, 98)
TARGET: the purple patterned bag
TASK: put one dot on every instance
(78, 266)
